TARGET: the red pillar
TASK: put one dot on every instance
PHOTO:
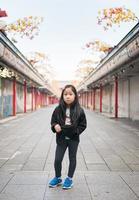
(35, 97)
(42, 99)
(116, 97)
(25, 95)
(82, 99)
(46, 100)
(94, 99)
(32, 98)
(41, 96)
(100, 97)
(87, 98)
(91, 99)
(14, 97)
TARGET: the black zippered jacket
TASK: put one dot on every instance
(72, 131)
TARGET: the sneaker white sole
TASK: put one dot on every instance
(66, 188)
(53, 186)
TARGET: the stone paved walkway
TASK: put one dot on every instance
(107, 160)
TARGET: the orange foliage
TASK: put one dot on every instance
(98, 45)
(28, 26)
(84, 68)
(36, 57)
(109, 17)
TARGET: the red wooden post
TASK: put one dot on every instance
(32, 98)
(100, 97)
(36, 97)
(94, 99)
(87, 97)
(82, 99)
(91, 98)
(116, 97)
(46, 100)
(25, 95)
(14, 97)
(41, 99)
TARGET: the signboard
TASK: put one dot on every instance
(122, 56)
(19, 65)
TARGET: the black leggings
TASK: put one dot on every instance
(59, 155)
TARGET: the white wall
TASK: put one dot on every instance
(123, 98)
(97, 99)
(19, 98)
(112, 106)
(107, 98)
(29, 99)
(128, 98)
(134, 98)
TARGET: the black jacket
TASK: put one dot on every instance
(72, 131)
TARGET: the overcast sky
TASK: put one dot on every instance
(67, 27)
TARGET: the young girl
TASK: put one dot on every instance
(68, 122)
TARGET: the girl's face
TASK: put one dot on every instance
(68, 96)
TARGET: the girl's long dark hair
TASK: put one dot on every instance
(74, 107)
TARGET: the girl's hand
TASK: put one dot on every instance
(57, 128)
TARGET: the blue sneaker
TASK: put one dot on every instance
(55, 182)
(68, 183)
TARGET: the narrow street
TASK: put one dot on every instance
(107, 165)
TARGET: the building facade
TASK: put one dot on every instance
(22, 89)
(113, 87)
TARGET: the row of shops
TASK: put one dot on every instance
(22, 88)
(113, 87)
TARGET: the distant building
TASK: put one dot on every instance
(58, 85)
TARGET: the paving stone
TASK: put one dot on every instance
(134, 167)
(11, 167)
(34, 164)
(97, 167)
(23, 192)
(29, 179)
(80, 190)
(109, 187)
(107, 160)
(133, 181)
(4, 179)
